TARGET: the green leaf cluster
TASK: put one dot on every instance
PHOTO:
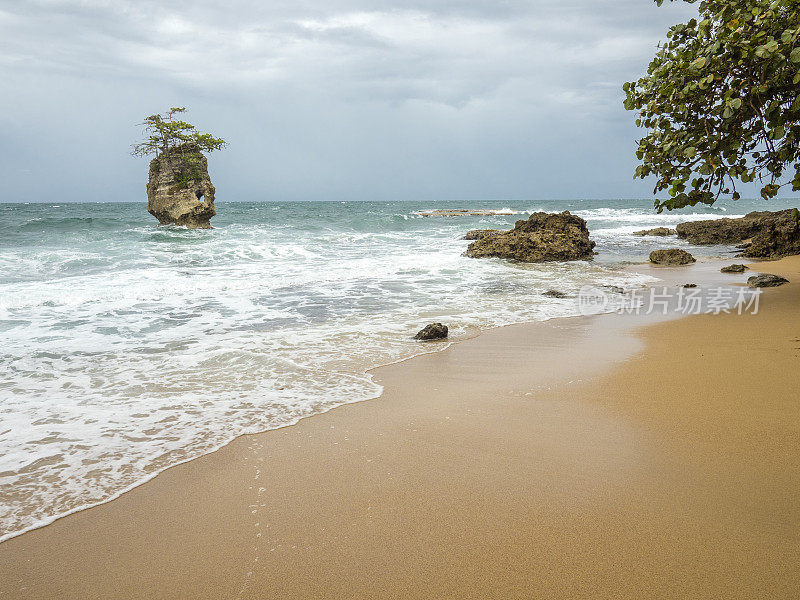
(164, 132)
(720, 103)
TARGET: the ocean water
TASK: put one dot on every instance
(126, 348)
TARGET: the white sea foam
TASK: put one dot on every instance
(644, 217)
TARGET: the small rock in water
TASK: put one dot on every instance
(673, 256)
(554, 294)
(660, 231)
(434, 331)
(690, 285)
(733, 269)
(766, 280)
(615, 289)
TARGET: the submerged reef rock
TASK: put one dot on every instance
(434, 331)
(179, 190)
(555, 294)
(660, 231)
(733, 269)
(464, 212)
(479, 234)
(542, 237)
(672, 256)
(766, 280)
(762, 234)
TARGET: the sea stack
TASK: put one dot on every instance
(179, 189)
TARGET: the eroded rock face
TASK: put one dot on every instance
(434, 331)
(672, 256)
(659, 231)
(763, 234)
(778, 237)
(479, 234)
(542, 237)
(179, 190)
(766, 280)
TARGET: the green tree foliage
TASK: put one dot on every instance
(164, 131)
(720, 103)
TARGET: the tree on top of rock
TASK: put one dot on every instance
(721, 103)
(164, 132)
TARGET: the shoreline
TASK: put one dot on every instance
(644, 268)
(441, 347)
(594, 327)
(133, 486)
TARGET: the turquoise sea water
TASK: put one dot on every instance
(127, 347)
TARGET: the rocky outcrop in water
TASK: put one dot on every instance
(542, 237)
(721, 231)
(179, 189)
(479, 234)
(672, 256)
(434, 331)
(761, 234)
(766, 280)
(659, 231)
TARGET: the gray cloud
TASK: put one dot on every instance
(330, 99)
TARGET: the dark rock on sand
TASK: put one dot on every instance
(179, 189)
(733, 269)
(672, 256)
(762, 234)
(659, 231)
(766, 280)
(542, 237)
(434, 331)
(555, 294)
(479, 234)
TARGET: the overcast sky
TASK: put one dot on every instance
(329, 99)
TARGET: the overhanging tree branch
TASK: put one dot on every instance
(720, 102)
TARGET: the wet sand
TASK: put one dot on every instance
(598, 457)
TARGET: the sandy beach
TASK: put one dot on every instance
(593, 457)
(348, 300)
